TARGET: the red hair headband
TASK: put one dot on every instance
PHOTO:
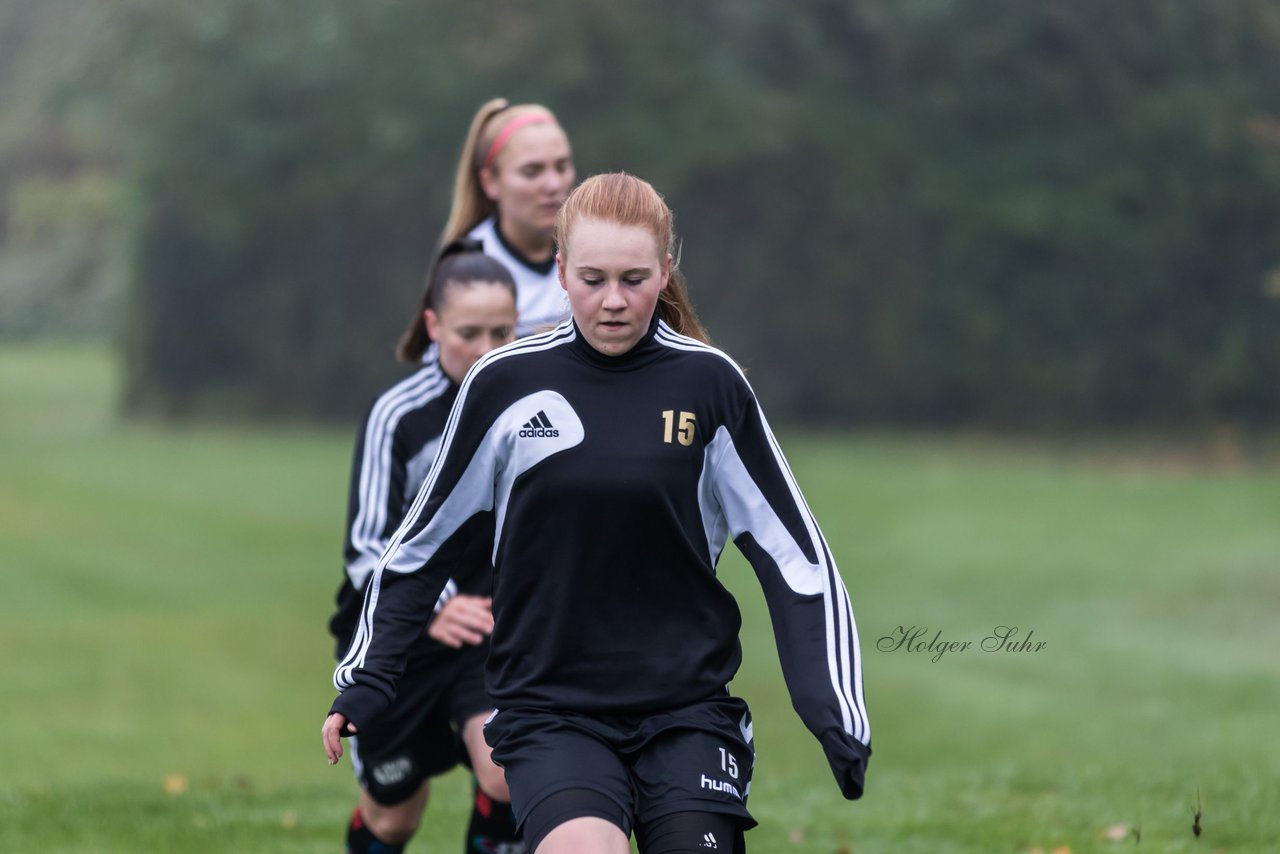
(512, 126)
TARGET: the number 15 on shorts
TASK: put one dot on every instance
(728, 764)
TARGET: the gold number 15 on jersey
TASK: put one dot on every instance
(684, 430)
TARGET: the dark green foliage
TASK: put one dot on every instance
(1049, 213)
(59, 275)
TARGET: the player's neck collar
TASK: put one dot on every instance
(644, 351)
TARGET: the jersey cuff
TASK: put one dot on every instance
(360, 705)
(849, 764)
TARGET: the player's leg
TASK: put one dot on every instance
(489, 775)
(492, 828)
(692, 776)
(575, 820)
(570, 787)
(585, 834)
(393, 760)
(385, 828)
(493, 824)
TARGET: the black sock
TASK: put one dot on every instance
(360, 839)
(493, 827)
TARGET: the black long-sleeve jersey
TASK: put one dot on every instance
(610, 485)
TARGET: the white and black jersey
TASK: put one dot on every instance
(610, 485)
(394, 451)
(540, 300)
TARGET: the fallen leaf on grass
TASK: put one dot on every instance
(1115, 833)
(175, 784)
(796, 836)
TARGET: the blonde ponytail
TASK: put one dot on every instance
(470, 205)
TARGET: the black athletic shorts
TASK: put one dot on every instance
(694, 758)
(419, 735)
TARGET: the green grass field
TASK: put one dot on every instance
(163, 598)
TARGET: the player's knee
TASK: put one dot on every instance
(588, 833)
(393, 825)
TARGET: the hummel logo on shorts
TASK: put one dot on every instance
(538, 427)
(709, 840)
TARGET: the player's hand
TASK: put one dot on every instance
(462, 620)
(335, 727)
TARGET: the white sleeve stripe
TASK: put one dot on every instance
(847, 629)
(833, 642)
(371, 542)
(848, 641)
(450, 590)
(379, 436)
(853, 668)
(749, 511)
(360, 645)
(850, 700)
(372, 494)
(341, 677)
(683, 342)
(851, 681)
(358, 570)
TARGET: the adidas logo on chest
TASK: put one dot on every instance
(538, 427)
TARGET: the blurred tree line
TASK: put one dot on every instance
(61, 271)
(906, 211)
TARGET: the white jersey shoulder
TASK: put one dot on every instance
(539, 298)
